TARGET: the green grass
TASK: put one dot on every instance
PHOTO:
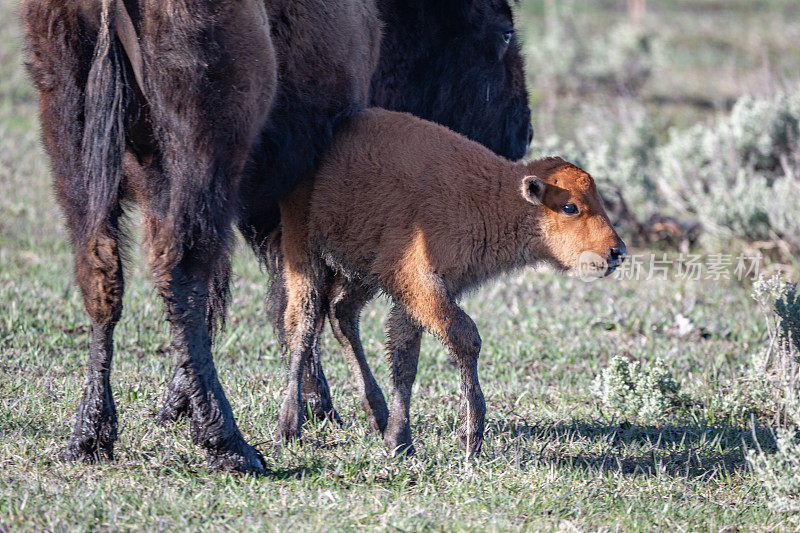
(552, 458)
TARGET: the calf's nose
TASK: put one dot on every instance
(617, 253)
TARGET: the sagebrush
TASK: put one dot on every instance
(738, 176)
(779, 362)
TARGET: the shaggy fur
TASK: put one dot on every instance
(178, 147)
(408, 207)
(445, 61)
(449, 62)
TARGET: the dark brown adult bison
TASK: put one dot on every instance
(206, 113)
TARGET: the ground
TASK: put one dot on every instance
(553, 458)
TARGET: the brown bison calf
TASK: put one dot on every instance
(413, 209)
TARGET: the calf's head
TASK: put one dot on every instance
(570, 228)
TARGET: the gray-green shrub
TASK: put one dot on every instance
(779, 472)
(738, 176)
(627, 389)
(566, 60)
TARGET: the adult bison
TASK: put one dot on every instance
(210, 74)
(455, 62)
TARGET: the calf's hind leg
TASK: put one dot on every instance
(346, 300)
(316, 392)
(304, 284)
(304, 279)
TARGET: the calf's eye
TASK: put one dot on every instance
(570, 209)
(507, 36)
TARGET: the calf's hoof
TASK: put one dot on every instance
(316, 395)
(237, 456)
(377, 412)
(290, 420)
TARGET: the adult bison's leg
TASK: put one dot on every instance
(210, 79)
(346, 302)
(77, 68)
(99, 273)
(404, 337)
(185, 295)
(176, 402)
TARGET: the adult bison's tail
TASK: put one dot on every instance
(107, 98)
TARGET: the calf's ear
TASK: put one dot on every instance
(533, 189)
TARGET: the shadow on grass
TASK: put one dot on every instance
(295, 472)
(689, 450)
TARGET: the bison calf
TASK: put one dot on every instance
(410, 208)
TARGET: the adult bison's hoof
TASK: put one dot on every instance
(238, 457)
(319, 410)
(171, 413)
(470, 442)
(400, 449)
(398, 438)
(83, 447)
(176, 403)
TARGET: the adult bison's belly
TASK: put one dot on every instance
(327, 51)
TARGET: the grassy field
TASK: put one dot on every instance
(553, 458)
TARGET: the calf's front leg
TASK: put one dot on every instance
(403, 343)
(465, 343)
(429, 304)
